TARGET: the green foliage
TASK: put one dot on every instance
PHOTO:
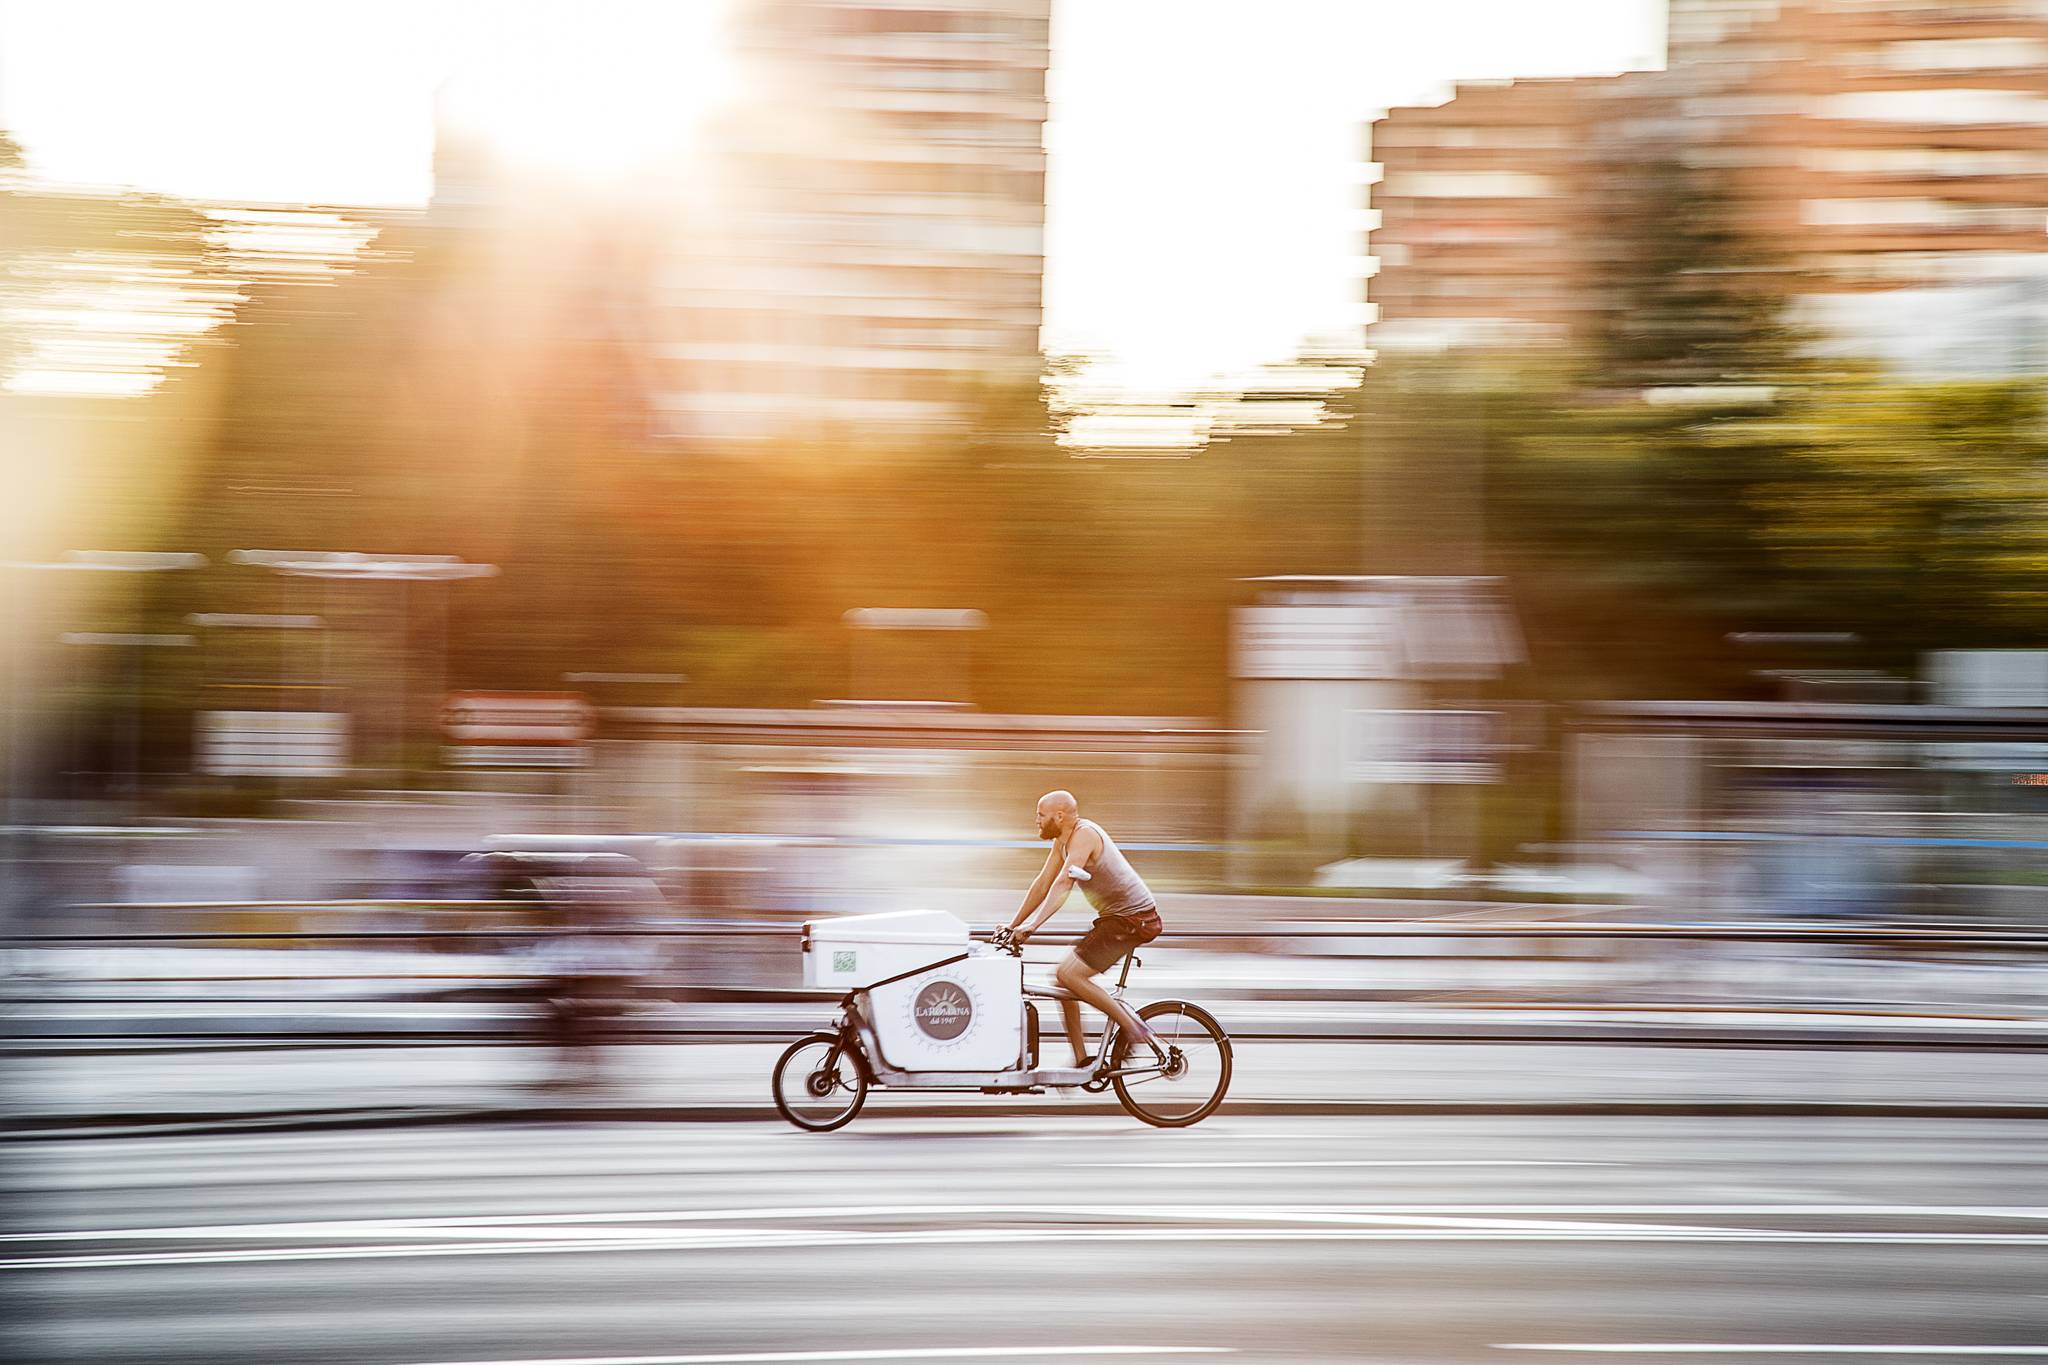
(1916, 514)
(449, 398)
(1679, 295)
(1636, 535)
(433, 405)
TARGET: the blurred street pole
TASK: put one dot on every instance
(1473, 385)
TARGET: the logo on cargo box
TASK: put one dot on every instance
(843, 962)
(942, 1011)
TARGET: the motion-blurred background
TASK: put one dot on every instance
(1529, 522)
(692, 457)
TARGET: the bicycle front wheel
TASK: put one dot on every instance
(817, 1086)
(1197, 1076)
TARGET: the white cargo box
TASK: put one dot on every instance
(859, 950)
(965, 1017)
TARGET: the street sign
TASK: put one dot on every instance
(272, 743)
(1426, 748)
(1317, 642)
(516, 729)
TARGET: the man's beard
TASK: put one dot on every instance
(1048, 830)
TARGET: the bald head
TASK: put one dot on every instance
(1057, 812)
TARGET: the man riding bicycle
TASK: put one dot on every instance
(1127, 916)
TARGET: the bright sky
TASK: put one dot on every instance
(1203, 198)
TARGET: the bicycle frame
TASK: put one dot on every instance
(859, 1041)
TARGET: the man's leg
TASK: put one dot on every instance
(1070, 1011)
(1077, 976)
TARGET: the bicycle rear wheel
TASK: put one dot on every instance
(817, 1086)
(1198, 1077)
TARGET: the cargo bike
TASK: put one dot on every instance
(929, 1009)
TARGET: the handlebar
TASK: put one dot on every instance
(1005, 940)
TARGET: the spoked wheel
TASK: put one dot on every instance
(817, 1086)
(1197, 1072)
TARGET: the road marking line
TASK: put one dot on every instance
(1765, 1348)
(629, 1232)
(1309, 1212)
(1305, 1165)
(711, 1240)
(903, 1353)
(619, 1224)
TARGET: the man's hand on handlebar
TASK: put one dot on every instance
(1008, 940)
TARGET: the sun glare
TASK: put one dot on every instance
(593, 93)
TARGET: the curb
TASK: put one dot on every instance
(58, 1128)
(1916, 1036)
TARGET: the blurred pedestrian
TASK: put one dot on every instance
(585, 975)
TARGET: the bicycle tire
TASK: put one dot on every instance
(1149, 1111)
(853, 1078)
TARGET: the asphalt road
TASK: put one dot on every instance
(72, 1092)
(1389, 1239)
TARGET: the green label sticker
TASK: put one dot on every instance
(843, 962)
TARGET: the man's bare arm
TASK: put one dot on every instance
(1084, 846)
(1039, 885)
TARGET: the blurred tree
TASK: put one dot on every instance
(1635, 536)
(1679, 295)
(1598, 483)
(1913, 514)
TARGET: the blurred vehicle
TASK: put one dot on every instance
(587, 966)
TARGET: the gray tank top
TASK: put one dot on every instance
(1113, 887)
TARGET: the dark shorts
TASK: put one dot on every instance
(1115, 935)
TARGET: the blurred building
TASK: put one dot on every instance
(1483, 216)
(1885, 161)
(864, 246)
